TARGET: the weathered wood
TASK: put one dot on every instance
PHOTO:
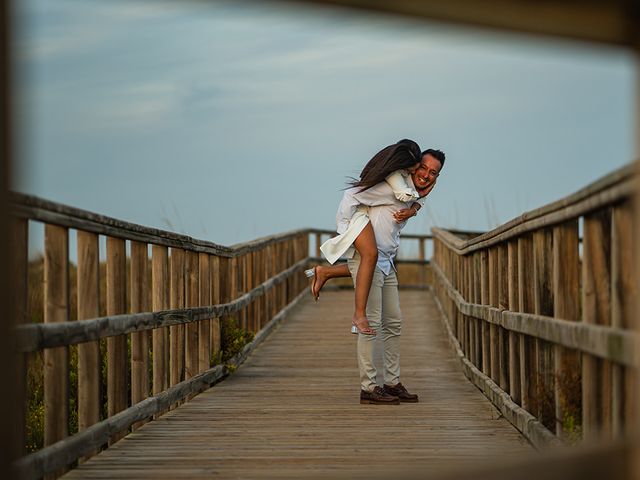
(514, 338)
(204, 326)
(139, 340)
(295, 438)
(484, 294)
(34, 337)
(56, 309)
(605, 342)
(494, 345)
(503, 304)
(543, 305)
(19, 261)
(528, 363)
(216, 280)
(596, 309)
(89, 361)
(176, 300)
(566, 305)
(160, 301)
(623, 291)
(34, 208)
(616, 186)
(192, 294)
(68, 450)
(116, 346)
(318, 244)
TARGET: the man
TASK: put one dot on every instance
(388, 217)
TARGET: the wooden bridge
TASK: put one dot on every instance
(517, 340)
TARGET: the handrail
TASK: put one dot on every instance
(39, 209)
(612, 188)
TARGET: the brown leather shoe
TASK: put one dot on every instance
(378, 397)
(401, 392)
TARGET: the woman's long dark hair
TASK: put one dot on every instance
(403, 154)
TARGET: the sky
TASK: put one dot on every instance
(228, 121)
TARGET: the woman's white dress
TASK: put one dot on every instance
(352, 217)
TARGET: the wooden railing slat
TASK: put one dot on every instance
(89, 352)
(160, 301)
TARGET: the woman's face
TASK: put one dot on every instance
(413, 168)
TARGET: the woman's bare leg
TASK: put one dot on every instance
(368, 250)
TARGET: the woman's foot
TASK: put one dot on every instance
(319, 278)
(361, 325)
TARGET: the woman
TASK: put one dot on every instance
(392, 164)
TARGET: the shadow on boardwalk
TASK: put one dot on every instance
(292, 410)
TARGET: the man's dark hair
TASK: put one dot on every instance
(437, 154)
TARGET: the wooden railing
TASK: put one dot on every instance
(145, 330)
(161, 318)
(542, 323)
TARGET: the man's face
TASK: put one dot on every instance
(427, 173)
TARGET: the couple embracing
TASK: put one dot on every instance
(373, 211)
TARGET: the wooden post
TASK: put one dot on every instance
(249, 272)
(503, 304)
(528, 361)
(243, 262)
(116, 346)
(484, 293)
(623, 291)
(56, 309)
(216, 281)
(139, 340)
(160, 301)
(204, 326)
(494, 344)
(19, 279)
(89, 362)
(477, 299)
(596, 309)
(176, 300)
(514, 338)
(192, 294)
(233, 283)
(566, 305)
(543, 300)
(422, 277)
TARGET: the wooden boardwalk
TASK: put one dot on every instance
(292, 410)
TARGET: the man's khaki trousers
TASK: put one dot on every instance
(385, 317)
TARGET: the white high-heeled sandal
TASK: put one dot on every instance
(311, 273)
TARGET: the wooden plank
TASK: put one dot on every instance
(176, 300)
(160, 301)
(56, 309)
(192, 293)
(513, 338)
(204, 326)
(484, 293)
(528, 362)
(268, 432)
(117, 374)
(543, 300)
(89, 361)
(19, 248)
(596, 309)
(623, 291)
(566, 305)
(139, 286)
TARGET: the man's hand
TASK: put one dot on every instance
(405, 213)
